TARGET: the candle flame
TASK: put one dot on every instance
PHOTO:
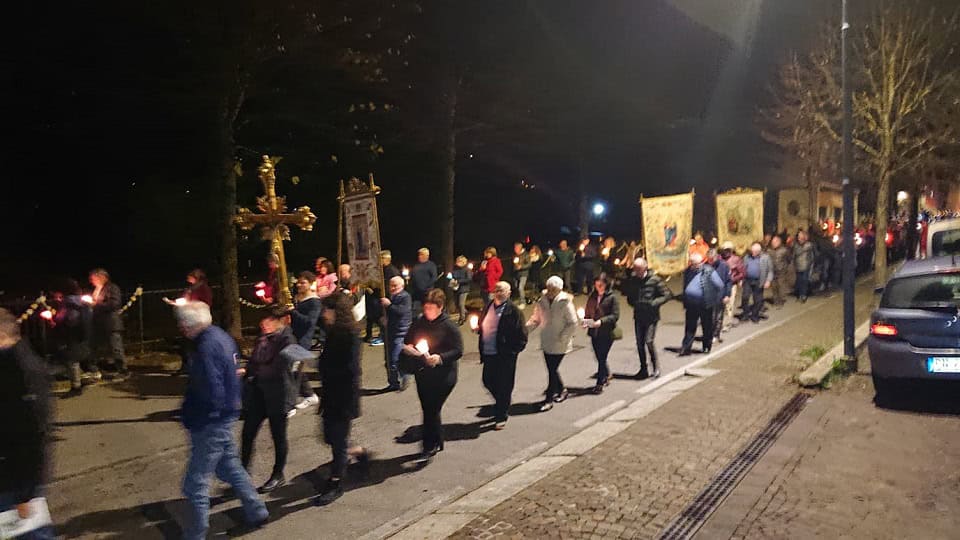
(182, 301)
(616, 262)
(260, 285)
(87, 298)
(516, 260)
(582, 313)
(470, 266)
(46, 314)
(550, 253)
(474, 322)
(261, 293)
(423, 347)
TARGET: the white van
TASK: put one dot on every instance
(943, 238)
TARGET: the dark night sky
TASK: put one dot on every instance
(110, 148)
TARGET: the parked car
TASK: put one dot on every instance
(943, 237)
(915, 332)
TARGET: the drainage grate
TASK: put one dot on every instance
(689, 521)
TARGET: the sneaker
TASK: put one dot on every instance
(500, 426)
(292, 412)
(377, 342)
(308, 401)
(546, 406)
(562, 397)
(273, 483)
(331, 492)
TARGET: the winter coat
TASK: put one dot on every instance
(423, 277)
(213, 388)
(511, 330)
(780, 257)
(303, 320)
(606, 310)
(646, 294)
(24, 400)
(463, 276)
(737, 270)
(766, 267)
(522, 267)
(565, 258)
(557, 321)
(443, 338)
(723, 270)
(491, 275)
(106, 310)
(270, 374)
(803, 256)
(340, 372)
(710, 282)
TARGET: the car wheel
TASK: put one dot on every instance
(883, 389)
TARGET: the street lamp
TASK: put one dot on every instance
(599, 209)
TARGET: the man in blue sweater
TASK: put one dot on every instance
(759, 276)
(210, 407)
(702, 291)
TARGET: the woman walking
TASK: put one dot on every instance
(600, 318)
(555, 315)
(432, 350)
(460, 284)
(340, 394)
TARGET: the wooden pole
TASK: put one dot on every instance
(340, 226)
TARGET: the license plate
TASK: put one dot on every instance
(943, 364)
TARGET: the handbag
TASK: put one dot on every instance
(616, 334)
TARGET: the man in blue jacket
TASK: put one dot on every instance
(210, 407)
(702, 291)
(399, 318)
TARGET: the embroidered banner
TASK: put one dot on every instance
(667, 229)
(363, 238)
(740, 217)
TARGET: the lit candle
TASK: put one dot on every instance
(423, 347)
(713, 240)
(406, 272)
(692, 241)
(470, 266)
(616, 262)
(46, 314)
(582, 246)
(261, 293)
(449, 275)
(87, 298)
(516, 260)
(183, 301)
(260, 285)
(474, 322)
(550, 253)
(582, 313)
(606, 252)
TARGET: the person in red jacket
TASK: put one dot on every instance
(491, 270)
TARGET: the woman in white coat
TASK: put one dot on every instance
(557, 318)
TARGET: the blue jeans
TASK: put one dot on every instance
(213, 451)
(803, 283)
(394, 346)
(8, 502)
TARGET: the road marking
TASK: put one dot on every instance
(583, 442)
(599, 414)
(702, 372)
(516, 459)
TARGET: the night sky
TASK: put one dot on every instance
(109, 160)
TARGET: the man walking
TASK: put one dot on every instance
(735, 265)
(107, 321)
(399, 317)
(718, 264)
(646, 292)
(803, 258)
(422, 279)
(564, 256)
(702, 290)
(210, 407)
(758, 275)
(503, 335)
(521, 272)
(780, 258)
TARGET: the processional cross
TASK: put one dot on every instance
(275, 224)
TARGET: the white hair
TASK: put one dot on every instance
(554, 282)
(396, 279)
(640, 261)
(193, 316)
(696, 258)
(502, 286)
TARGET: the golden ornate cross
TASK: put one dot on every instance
(275, 223)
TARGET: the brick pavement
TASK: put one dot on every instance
(633, 484)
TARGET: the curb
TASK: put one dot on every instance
(818, 371)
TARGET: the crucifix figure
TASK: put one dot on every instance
(275, 224)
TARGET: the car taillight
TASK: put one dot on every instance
(883, 330)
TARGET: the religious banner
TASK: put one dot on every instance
(362, 227)
(667, 229)
(793, 210)
(740, 217)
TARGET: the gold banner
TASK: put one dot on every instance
(667, 229)
(740, 217)
(363, 238)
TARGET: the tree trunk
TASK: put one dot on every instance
(913, 235)
(230, 314)
(449, 174)
(813, 199)
(882, 213)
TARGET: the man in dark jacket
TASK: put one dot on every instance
(210, 406)
(107, 321)
(723, 270)
(702, 291)
(503, 335)
(422, 279)
(646, 292)
(269, 387)
(24, 402)
(399, 317)
(303, 323)
(521, 271)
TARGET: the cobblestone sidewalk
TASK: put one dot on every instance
(633, 484)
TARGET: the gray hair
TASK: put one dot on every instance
(397, 279)
(193, 316)
(640, 261)
(554, 282)
(696, 258)
(502, 286)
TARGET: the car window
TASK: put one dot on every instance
(932, 290)
(945, 242)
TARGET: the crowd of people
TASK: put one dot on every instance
(423, 341)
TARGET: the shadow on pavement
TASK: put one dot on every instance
(147, 385)
(451, 432)
(923, 397)
(158, 416)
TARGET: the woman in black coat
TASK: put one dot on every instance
(432, 350)
(340, 394)
(600, 318)
(268, 394)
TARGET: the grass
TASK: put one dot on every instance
(813, 352)
(838, 371)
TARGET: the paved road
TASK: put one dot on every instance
(120, 453)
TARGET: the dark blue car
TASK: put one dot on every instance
(915, 333)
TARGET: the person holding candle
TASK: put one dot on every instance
(565, 259)
(521, 272)
(399, 309)
(422, 279)
(340, 393)
(432, 349)
(536, 267)
(491, 270)
(503, 335)
(461, 276)
(600, 318)
(107, 322)
(555, 316)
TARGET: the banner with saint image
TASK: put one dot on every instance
(667, 229)
(363, 238)
(740, 217)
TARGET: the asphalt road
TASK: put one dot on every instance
(120, 452)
